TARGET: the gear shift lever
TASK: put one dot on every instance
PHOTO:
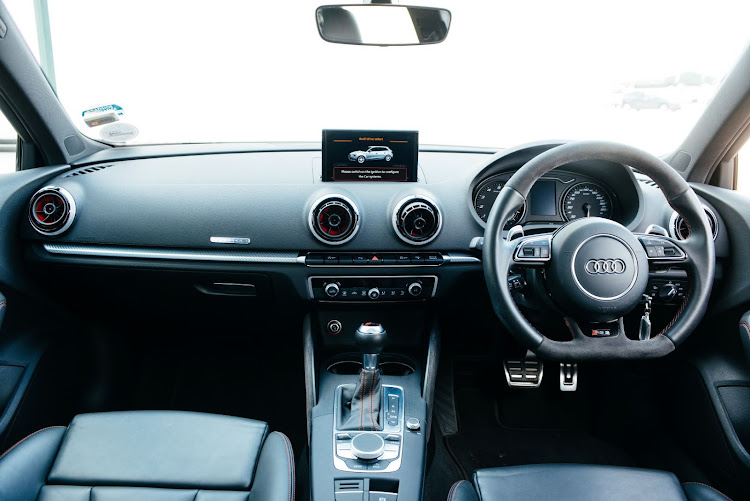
(361, 403)
(371, 337)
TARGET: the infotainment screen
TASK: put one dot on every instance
(367, 155)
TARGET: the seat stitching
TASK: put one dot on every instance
(747, 328)
(454, 490)
(712, 488)
(450, 492)
(290, 464)
(28, 437)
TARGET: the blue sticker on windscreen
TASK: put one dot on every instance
(102, 115)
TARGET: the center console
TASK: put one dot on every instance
(368, 416)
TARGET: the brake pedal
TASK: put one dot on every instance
(525, 373)
(568, 377)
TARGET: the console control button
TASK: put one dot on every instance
(332, 289)
(433, 259)
(383, 496)
(331, 259)
(368, 446)
(413, 424)
(373, 293)
(359, 260)
(334, 327)
(415, 289)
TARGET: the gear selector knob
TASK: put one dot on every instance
(370, 338)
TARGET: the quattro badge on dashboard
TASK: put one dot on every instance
(230, 240)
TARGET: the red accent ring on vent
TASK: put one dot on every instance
(334, 219)
(51, 210)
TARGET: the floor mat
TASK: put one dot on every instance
(484, 442)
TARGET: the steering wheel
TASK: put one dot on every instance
(597, 270)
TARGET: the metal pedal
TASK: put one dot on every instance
(568, 377)
(525, 373)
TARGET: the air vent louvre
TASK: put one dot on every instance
(417, 220)
(680, 229)
(87, 170)
(334, 219)
(51, 210)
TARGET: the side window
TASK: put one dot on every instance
(8, 141)
(743, 169)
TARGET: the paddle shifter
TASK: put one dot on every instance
(362, 402)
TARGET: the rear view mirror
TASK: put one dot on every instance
(382, 24)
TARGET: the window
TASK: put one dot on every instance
(743, 169)
(8, 140)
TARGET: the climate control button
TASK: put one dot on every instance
(415, 289)
(373, 293)
(332, 289)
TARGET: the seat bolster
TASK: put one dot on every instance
(556, 482)
(275, 476)
(697, 491)
(24, 467)
(462, 491)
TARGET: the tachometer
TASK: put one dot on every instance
(485, 196)
(586, 200)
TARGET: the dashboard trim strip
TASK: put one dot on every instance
(171, 254)
(214, 255)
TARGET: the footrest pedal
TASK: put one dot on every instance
(524, 373)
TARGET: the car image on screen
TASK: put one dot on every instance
(372, 153)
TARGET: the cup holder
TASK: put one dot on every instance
(389, 366)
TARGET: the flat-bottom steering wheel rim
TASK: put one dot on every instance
(498, 256)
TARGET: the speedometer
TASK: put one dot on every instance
(485, 196)
(586, 200)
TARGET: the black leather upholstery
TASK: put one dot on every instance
(561, 482)
(744, 334)
(150, 455)
(360, 409)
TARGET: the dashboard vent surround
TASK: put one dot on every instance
(87, 170)
(52, 210)
(334, 219)
(417, 220)
(680, 230)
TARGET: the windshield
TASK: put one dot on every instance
(634, 71)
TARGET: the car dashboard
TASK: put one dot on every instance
(269, 213)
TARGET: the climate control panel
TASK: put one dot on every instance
(369, 288)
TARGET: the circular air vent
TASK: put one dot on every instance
(679, 229)
(417, 220)
(334, 219)
(52, 210)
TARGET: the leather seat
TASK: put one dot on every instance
(578, 482)
(150, 456)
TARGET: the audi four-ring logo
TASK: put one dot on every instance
(605, 266)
